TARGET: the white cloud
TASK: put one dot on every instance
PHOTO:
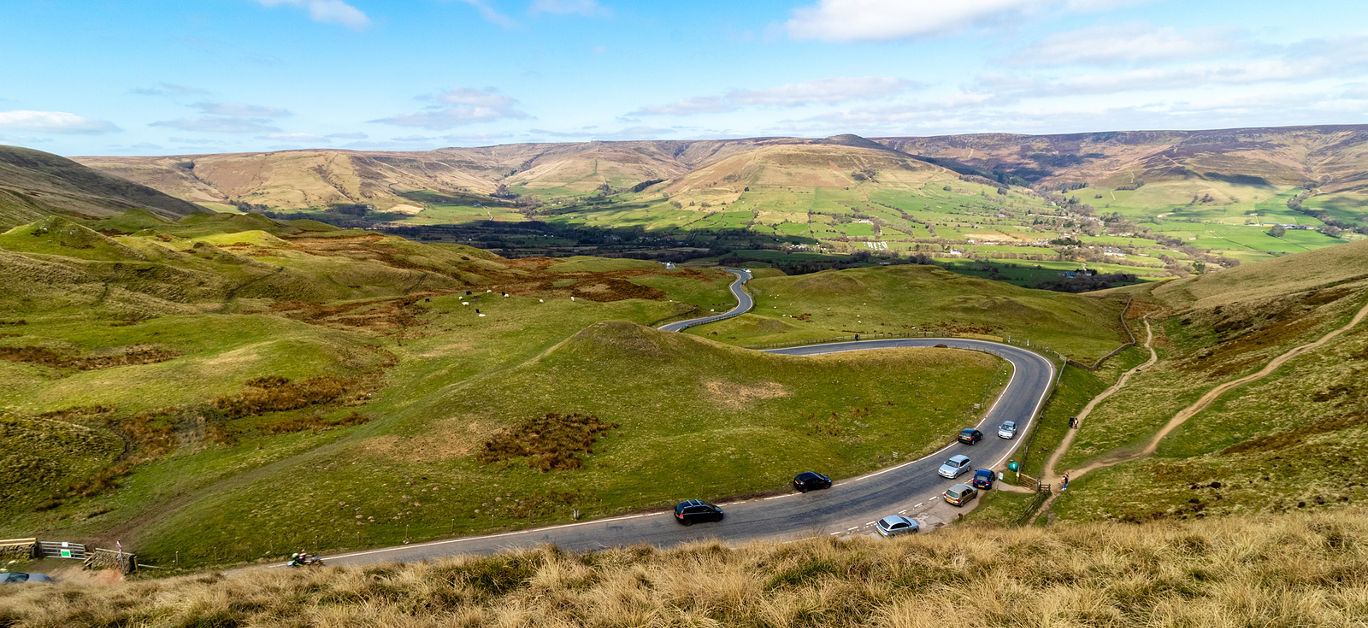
(587, 8)
(458, 107)
(1127, 43)
(816, 91)
(882, 20)
(327, 12)
(53, 122)
(490, 14)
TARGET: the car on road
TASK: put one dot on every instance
(970, 436)
(20, 577)
(1007, 430)
(960, 494)
(810, 481)
(983, 478)
(953, 467)
(692, 511)
(896, 525)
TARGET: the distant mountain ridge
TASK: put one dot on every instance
(34, 184)
(1333, 158)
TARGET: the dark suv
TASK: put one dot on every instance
(692, 511)
(810, 481)
(969, 436)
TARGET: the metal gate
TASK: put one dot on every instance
(61, 549)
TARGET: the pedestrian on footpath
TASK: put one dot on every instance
(1065, 486)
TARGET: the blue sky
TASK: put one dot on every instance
(134, 78)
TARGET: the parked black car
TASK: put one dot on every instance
(693, 511)
(810, 481)
(969, 436)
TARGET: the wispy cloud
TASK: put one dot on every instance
(313, 138)
(687, 107)
(1125, 43)
(817, 91)
(327, 12)
(209, 124)
(1341, 58)
(883, 20)
(228, 117)
(587, 8)
(168, 89)
(459, 107)
(240, 110)
(490, 14)
(53, 122)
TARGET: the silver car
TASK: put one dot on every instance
(895, 525)
(954, 467)
(1007, 430)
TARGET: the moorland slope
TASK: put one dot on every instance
(34, 184)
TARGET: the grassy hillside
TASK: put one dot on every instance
(912, 300)
(602, 423)
(34, 184)
(1288, 441)
(1265, 571)
(203, 372)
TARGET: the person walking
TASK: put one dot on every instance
(1065, 486)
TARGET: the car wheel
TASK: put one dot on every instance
(686, 522)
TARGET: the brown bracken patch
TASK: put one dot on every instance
(275, 394)
(127, 356)
(551, 441)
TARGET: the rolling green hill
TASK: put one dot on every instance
(34, 184)
(200, 374)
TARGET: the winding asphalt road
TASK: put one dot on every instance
(743, 305)
(850, 506)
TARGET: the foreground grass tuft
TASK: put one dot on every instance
(1302, 570)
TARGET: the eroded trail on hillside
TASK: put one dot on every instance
(1064, 445)
(1186, 413)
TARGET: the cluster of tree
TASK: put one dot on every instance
(251, 208)
(864, 174)
(645, 184)
(1087, 282)
(1333, 227)
(351, 209)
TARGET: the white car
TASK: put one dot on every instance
(1007, 430)
(954, 467)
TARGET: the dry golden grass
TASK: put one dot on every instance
(1288, 570)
